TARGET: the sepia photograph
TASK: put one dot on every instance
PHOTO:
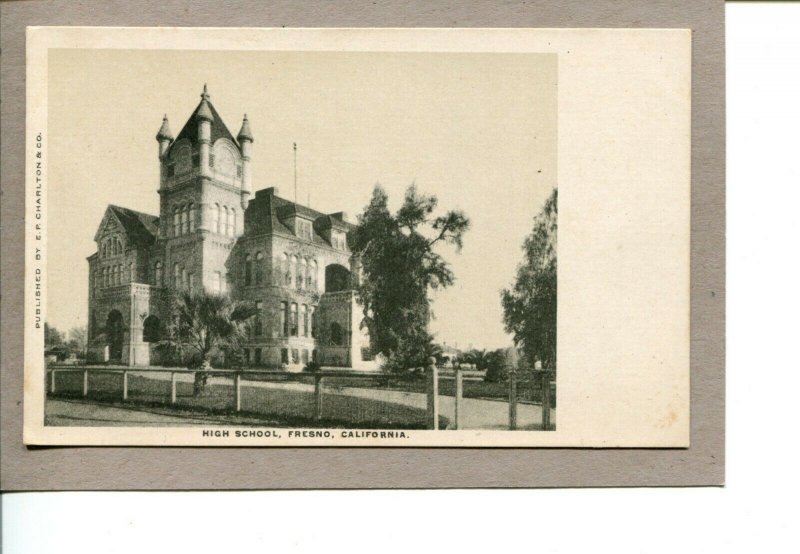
(285, 246)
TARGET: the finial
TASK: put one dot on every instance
(205, 95)
(245, 133)
(164, 133)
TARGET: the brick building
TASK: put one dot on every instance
(291, 261)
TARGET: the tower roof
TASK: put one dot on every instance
(205, 109)
(164, 132)
(245, 133)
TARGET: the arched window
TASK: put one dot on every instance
(259, 268)
(176, 275)
(248, 270)
(176, 221)
(337, 336)
(159, 274)
(295, 271)
(304, 319)
(313, 317)
(232, 222)
(191, 283)
(130, 273)
(258, 325)
(184, 219)
(184, 278)
(293, 320)
(105, 276)
(284, 319)
(191, 218)
(285, 274)
(215, 218)
(119, 246)
(311, 278)
(152, 329)
(223, 224)
(301, 273)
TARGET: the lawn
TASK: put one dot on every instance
(261, 407)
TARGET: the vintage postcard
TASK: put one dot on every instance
(357, 237)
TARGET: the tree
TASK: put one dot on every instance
(77, 340)
(400, 266)
(205, 321)
(529, 308)
(52, 336)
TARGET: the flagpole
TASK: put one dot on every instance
(295, 172)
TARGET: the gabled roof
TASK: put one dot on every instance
(140, 228)
(218, 128)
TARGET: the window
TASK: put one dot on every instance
(184, 220)
(295, 356)
(232, 222)
(284, 355)
(246, 354)
(257, 357)
(304, 314)
(105, 276)
(259, 269)
(159, 274)
(184, 277)
(248, 270)
(130, 273)
(223, 221)
(258, 327)
(314, 355)
(336, 334)
(285, 319)
(191, 217)
(293, 320)
(215, 218)
(294, 272)
(313, 317)
(176, 222)
(176, 275)
(210, 160)
(305, 356)
(285, 271)
(300, 268)
(191, 283)
(311, 275)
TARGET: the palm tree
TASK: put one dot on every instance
(205, 321)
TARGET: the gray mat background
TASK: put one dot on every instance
(140, 468)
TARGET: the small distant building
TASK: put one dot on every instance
(291, 261)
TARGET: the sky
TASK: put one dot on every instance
(476, 130)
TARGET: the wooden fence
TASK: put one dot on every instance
(433, 376)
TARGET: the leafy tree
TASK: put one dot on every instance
(205, 321)
(529, 308)
(400, 265)
(77, 339)
(497, 365)
(52, 336)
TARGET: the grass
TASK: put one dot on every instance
(260, 407)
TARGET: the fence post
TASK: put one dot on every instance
(545, 401)
(433, 395)
(53, 381)
(237, 385)
(512, 400)
(124, 385)
(318, 397)
(85, 382)
(459, 397)
(174, 387)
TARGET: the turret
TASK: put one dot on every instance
(204, 117)
(245, 138)
(164, 137)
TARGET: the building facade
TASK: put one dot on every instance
(292, 262)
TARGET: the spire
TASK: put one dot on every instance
(164, 133)
(244, 132)
(203, 111)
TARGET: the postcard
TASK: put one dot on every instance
(357, 237)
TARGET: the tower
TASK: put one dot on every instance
(205, 188)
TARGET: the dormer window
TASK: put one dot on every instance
(303, 229)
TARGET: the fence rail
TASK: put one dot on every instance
(433, 376)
